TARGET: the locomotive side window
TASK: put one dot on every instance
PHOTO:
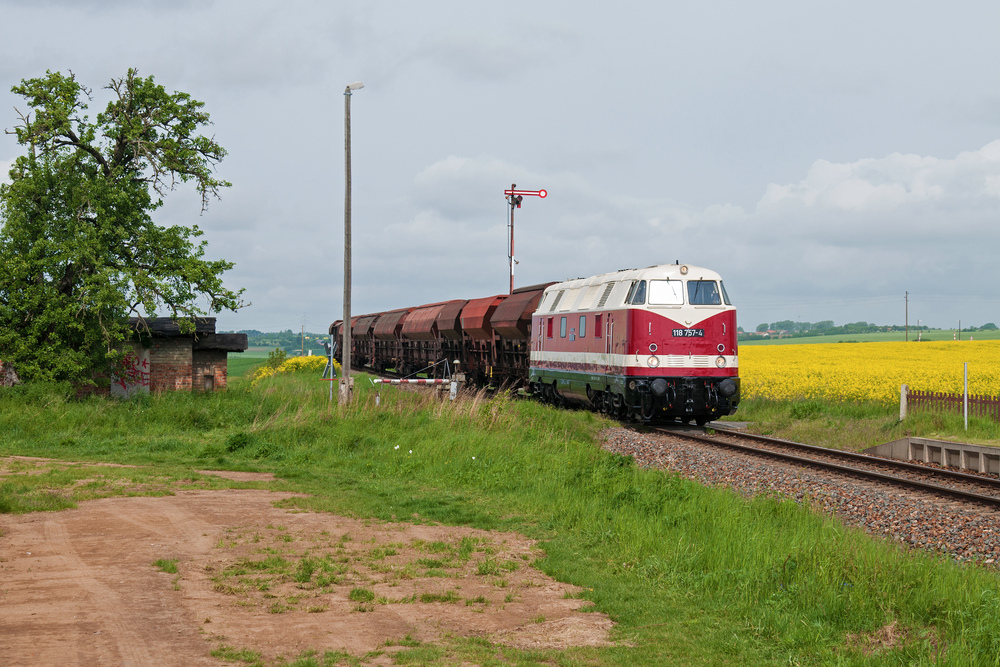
(639, 298)
(598, 329)
(703, 293)
(666, 293)
(583, 326)
(562, 327)
(725, 295)
(637, 293)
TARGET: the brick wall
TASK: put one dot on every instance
(170, 364)
(211, 363)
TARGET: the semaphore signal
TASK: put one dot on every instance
(514, 197)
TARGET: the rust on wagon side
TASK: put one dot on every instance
(477, 314)
(448, 321)
(512, 318)
(390, 325)
(421, 324)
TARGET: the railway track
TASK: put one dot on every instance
(941, 482)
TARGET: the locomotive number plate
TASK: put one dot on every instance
(689, 333)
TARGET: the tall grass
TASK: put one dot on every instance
(691, 574)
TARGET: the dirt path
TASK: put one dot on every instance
(80, 586)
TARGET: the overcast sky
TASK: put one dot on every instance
(824, 157)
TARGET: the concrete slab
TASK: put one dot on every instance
(965, 456)
(732, 426)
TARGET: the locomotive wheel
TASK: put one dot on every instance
(701, 421)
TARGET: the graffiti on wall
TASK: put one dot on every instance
(135, 376)
(8, 378)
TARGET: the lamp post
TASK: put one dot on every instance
(345, 375)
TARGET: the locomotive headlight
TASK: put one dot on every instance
(653, 362)
(720, 362)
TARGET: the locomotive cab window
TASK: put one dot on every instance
(637, 293)
(666, 293)
(703, 293)
(725, 295)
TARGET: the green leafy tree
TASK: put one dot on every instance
(79, 251)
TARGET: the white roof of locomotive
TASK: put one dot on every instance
(658, 272)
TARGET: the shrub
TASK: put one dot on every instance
(310, 364)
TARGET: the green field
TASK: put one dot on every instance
(689, 574)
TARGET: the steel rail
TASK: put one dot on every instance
(867, 458)
(857, 472)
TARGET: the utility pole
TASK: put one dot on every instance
(907, 316)
(345, 380)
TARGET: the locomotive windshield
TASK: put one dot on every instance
(666, 293)
(703, 293)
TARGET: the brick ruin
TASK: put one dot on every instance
(168, 360)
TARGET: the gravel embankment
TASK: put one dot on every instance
(963, 531)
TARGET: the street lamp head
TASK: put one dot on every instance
(357, 85)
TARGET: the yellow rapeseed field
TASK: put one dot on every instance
(311, 364)
(867, 371)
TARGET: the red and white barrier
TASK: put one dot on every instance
(411, 381)
(451, 394)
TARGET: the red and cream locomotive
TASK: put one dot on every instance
(650, 344)
(655, 344)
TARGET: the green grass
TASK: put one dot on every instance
(239, 364)
(361, 595)
(691, 575)
(168, 565)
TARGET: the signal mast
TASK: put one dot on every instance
(514, 197)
